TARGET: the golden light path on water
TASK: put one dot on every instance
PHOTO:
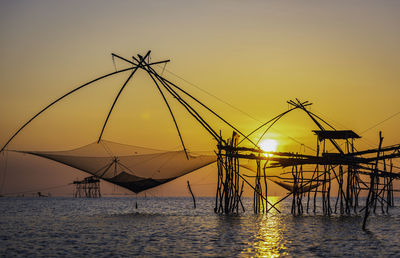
(270, 241)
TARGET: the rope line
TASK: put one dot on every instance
(235, 108)
(381, 122)
(39, 190)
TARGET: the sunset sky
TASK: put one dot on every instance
(343, 56)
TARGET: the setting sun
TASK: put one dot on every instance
(268, 145)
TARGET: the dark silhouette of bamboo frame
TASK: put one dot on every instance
(345, 167)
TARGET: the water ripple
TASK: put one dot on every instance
(170, 226)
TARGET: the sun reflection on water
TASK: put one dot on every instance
(269, 241)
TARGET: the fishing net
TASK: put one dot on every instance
(283, 177)
(134, 168)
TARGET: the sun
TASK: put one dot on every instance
(268, 145)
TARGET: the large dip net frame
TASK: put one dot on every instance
(132, 167)
(305, 177)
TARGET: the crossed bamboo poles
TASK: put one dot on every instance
(164, 87)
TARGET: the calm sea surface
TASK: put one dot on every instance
(171, 227)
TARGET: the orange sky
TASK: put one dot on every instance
(341, 55)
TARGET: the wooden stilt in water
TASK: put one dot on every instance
(190, 190)
(371, 193)
(229, 192)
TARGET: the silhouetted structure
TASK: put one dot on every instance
(309, 176)
(191, 193)
(41, 195)
(88, 187)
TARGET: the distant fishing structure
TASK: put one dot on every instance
(89, 187)
(308, 177)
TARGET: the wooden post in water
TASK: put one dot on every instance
(190, 190)
(229, 191)
(258, 191)
(371, 193)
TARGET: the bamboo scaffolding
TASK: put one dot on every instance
(310, 176)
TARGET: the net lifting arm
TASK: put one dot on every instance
(190, 109)
(60, 98)
(172, 115)
(186, 105)
(119, 93)
(313, 117)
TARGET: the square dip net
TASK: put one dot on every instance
(131, 167)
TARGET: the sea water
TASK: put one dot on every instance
(114, 227)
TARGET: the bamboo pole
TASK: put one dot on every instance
(190, 190)
(372, 186)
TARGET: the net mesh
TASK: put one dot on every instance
(132, 167)
(284, 178)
